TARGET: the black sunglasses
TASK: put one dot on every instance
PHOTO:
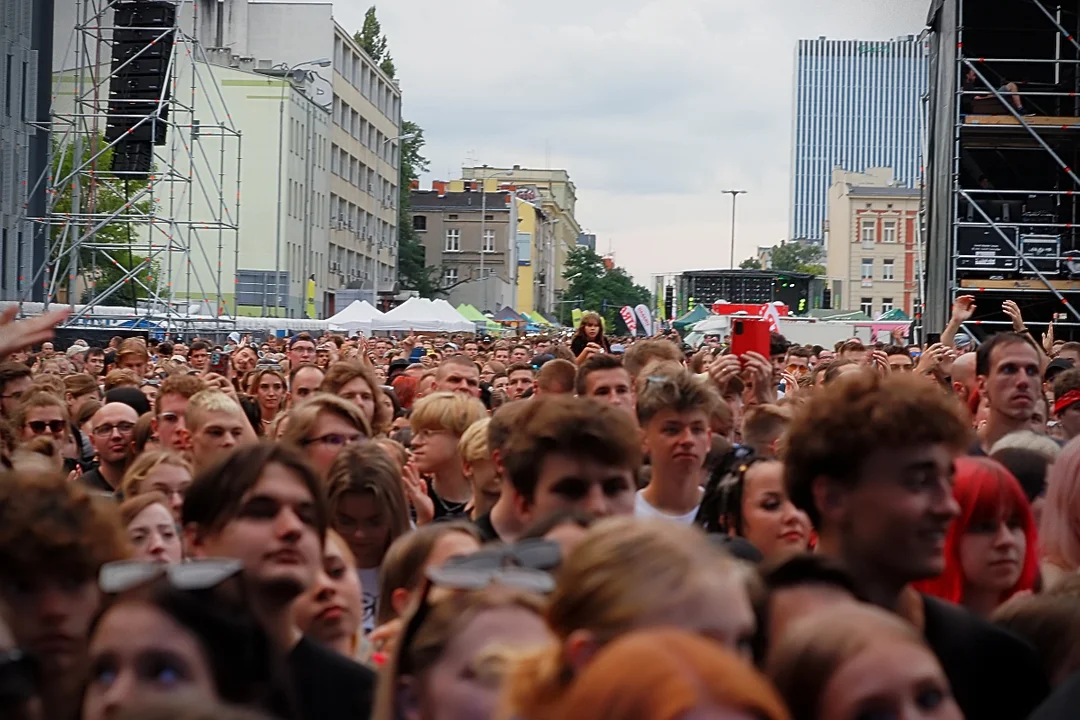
(123, 575)
(39, 426)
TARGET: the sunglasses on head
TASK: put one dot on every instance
(123, 575)
(53, 426)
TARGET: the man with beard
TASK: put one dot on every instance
(1009, 374)
(870, 460)
(264, 506)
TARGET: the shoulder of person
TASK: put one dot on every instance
(331, 666)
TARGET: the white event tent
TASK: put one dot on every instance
(422, 315)
(356, 317)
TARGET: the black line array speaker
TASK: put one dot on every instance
(139, 90)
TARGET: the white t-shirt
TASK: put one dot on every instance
(643, 509)
(369, 580)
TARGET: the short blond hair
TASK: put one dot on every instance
(209, 401)
(121, 377)
(473, 446)
(453, 412)
(133, 346)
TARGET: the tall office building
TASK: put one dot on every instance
(858, 105)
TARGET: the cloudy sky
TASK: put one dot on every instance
(653, 106)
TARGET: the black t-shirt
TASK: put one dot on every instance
(994, 674)
(488, 534)
(1062, 703)
(447, 509)
(328, 686)
(96, 482)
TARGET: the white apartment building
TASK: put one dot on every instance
(872, 242)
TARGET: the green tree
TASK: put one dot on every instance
(751, 263)
(371, 38)
(103, 194)
(798, 256)
(594, 287)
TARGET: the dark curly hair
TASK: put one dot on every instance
(53, 527)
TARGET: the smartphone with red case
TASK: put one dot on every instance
(750, 336)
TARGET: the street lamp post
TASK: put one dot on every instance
(734, 196)
(320, 62)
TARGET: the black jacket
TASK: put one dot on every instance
(994, 674)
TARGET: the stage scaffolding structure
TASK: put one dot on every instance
(1003, 157)
(179, 221)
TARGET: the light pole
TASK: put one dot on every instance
(734, 196)
(484, 177)
(320, 62)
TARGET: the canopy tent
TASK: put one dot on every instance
(896, 314)
(696, 315)
(449, 313)
(482, 321)
(714, 325)
(357, 316)
(509, 317)
(537, 318)
(422, 315)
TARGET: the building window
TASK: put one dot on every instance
(449, 276)
(867, 306)
(888, 267)
(489, 241)
(868, 268)
(867, 231)
(453, 240)
(888, 231)
(886, 305)
(419, 223)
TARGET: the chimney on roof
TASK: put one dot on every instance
(439, 186)
(517, 167)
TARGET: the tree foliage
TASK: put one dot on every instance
(102, 194)
(374, 43)
(798, 257)
(751, 263)
(594, 287)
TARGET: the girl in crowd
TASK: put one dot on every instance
(990, 549)
(438, 422)
(669, 675)
(356, 383)
(332, 610)
(160, 471)
(269, 388)
(448, 665)
(856, 662)
(322, 426)
(628, 574)
(1059, 533)
(405, 389)
(589, 336)
(404, 565)
(751, 502)
(153, 639)
(391, 410)
(151, 528)
(368, 508)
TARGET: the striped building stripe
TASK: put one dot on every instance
(857, 106)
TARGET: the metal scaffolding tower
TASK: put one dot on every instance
(151, 239)
(1003, 158)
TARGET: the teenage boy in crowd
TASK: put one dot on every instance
(304, 381)
(170, 409)
(1067, 402)
(763, 427)
(504, 522)
(521, 379)
(54, 538)
(301, 350)
(458, 373)
(216, 425)
(674, 411)
(133, 355)
(264, 506)
(555, 377)
(603, 378)
(15, 380)
(870, 460)
(570, 453)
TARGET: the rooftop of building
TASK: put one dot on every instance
(469, 200)
(889, 191)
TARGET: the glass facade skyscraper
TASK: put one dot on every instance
(858, 104)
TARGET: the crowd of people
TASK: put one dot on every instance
(453, 527)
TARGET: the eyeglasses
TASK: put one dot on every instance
(123, 575)
(334, 439)
(39, 426)
(20, 678)
(104, 431)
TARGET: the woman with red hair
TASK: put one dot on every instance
(990, 549)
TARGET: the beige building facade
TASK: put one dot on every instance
(872, 242)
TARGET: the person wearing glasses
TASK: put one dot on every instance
(322, 427)
(161, 471)
(438, 421)
(264, 506)
(54, 538)
(171, 405)
(181, 631)
(15, 379)
(215, 425)
(42, 414)
(111, 431)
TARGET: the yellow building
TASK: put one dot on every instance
(528, 222)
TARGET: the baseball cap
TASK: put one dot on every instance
(1058, 366)
(75, 350)
(618, 349)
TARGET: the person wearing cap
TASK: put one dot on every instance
(618, 349)
(1067, 401)
(301, 350)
